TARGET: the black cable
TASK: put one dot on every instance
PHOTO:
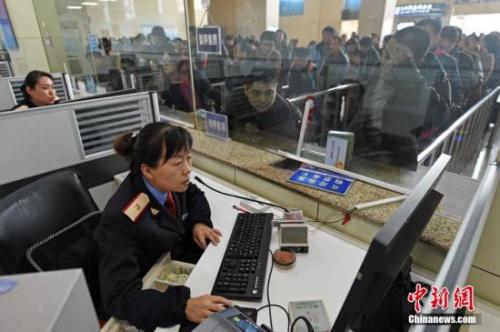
(266, 328)
(237, 196)
(282, 308)
(309, 326)
(267, 291)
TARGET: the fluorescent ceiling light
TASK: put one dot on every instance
(74, 7)
(107, 0)
(88, 3)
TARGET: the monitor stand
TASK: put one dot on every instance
(392, 314)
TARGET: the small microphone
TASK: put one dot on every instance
(236, 196)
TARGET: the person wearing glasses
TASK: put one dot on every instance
(257, 106)
(155, 210)
(38, 90)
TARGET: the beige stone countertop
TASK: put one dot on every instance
(440, 231)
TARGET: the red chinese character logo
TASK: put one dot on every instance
(416, 296)
(464, 298)
(439, 298)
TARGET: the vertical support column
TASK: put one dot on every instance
(191, 12)
(272, 14)
(240, 17)
(51, 33)
(223, 13)
(376, 16)
(31, 52)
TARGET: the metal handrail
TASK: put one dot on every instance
(458, 261)
(428, 151)
(319, 93)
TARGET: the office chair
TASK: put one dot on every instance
(47, 225)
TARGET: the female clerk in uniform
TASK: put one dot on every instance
(155, 210)
(38, 90)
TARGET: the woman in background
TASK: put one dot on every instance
(38, 90)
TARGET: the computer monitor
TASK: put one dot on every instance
(377, 297)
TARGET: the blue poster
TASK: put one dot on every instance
(8, 38)
(291, 7)
(209, 40)
(322, 180)
(216, 125)
(93, 43)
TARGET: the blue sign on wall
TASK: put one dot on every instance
(291, 7)
(209, 40)
(216, 125)
(8, 37)
(93, 43)
(422, 9)
(322, 180)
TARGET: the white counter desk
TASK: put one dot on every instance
(326, 272)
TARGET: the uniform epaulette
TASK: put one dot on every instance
(136, 207)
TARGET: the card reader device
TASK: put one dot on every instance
(228, 320)
(293, 236)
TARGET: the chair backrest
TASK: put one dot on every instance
(36, 211)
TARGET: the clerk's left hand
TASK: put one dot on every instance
(203, 235)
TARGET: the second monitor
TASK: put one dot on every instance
(377, 298)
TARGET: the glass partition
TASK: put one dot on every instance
(378, 88)
(365, 86)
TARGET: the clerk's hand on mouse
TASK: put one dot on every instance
(199, 308)
(202, 235)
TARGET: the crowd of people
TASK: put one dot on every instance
(416, 82)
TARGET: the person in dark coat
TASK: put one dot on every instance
(303, 77)
(369, 58)
(266, 55)
(431, 67)
(492, 44)
(155, 210)
(448, 38)
(322, 48)
(335, 65)
(398, 105)
(257, 106)
(38, 90)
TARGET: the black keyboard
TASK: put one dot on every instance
(242, 272)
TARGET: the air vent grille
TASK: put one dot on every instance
(99, 126)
